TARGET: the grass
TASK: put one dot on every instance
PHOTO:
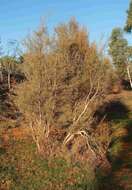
(120, 151)
(21, 168)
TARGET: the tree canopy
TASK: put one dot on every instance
(128, 26)
(118, 50)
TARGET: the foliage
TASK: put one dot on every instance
(128, 26)
(23, 169)
(118, 51)
(66, 80)
(10, 68)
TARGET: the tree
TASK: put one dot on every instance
(1, 74)
(66, 80)
(83, 82)
(36, 94)
(9, 67)
(9, 60)
(128, 26)
(129, 64)
(118, 51)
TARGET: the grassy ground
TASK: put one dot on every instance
(122, 169)
(22, 169)
(120, 152)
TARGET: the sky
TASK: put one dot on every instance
(20, 17)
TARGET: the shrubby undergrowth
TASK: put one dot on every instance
(67, 79)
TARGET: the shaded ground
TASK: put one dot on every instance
(120, 114)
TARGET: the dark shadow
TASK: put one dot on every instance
(126, 84)
(128, 138)
(124, 157)
(117, 112)
(2, 151)
(109, 183)
(114, 110)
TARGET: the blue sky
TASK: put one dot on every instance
(19, 17)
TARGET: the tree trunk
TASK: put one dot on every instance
(1, 74)
(129, 76)
(9, 80)
(38, 147)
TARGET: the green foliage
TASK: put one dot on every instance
(23, 169)
(128, 26)
(10, 64)
(118, 50)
